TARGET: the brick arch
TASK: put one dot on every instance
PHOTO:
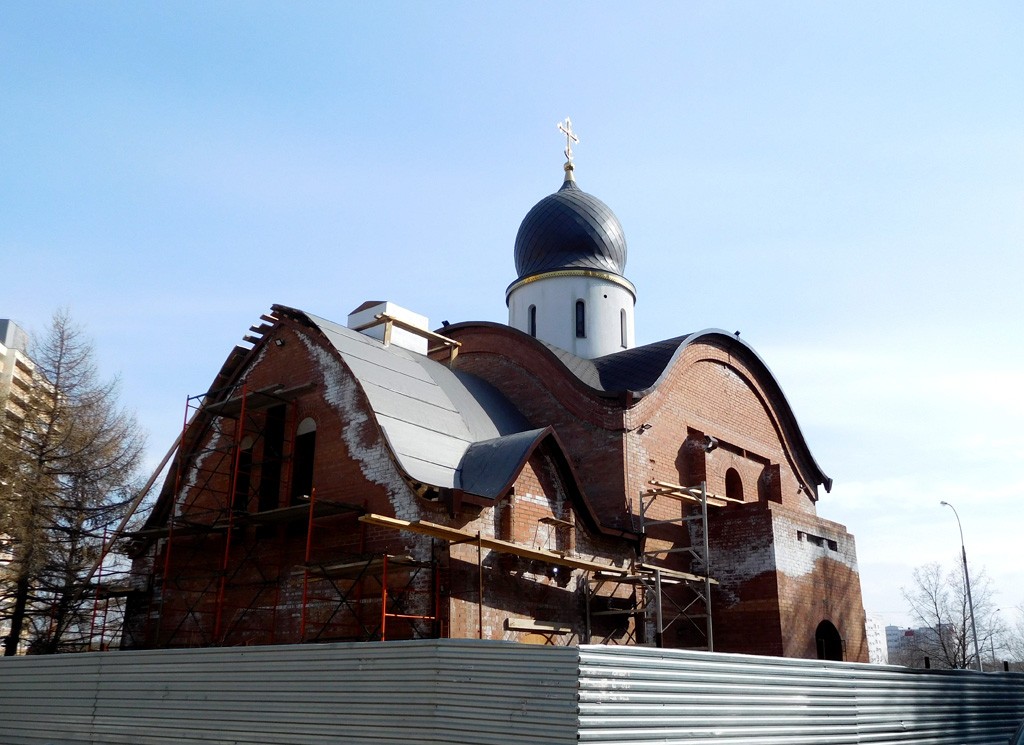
(592, 407)
(828, 642)
(718, 389)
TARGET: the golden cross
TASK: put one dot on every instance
(570, 137)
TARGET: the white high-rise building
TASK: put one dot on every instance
(17, 379)
(17, 371)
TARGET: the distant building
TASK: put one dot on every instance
(897, 641)
(16, 371)
(909, 646)
(17, 378)
(878, 647)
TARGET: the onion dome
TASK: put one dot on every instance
(570, 229)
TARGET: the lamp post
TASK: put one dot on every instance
(967, 581)
(992, 638)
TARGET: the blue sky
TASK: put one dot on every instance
(841, 182)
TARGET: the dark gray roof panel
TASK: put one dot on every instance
(407, 441)
(387, 403)
(399, 382)
(570, 229)
(365, 354)
(489, 467)
(637, 369)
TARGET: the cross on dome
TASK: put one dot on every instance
(570, 137)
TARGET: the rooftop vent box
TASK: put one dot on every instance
(12, 335)
(364, 319)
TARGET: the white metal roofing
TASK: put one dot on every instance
(429, 413)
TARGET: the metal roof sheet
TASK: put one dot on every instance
(570, 229)
(489, 466)
(429, 414)
(637, 369)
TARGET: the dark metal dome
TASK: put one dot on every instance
(570, 229)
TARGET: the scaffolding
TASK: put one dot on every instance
(657, 593)
(627, 597)
(336, 594)
(211, 513)
(455, 536)
(272, 580)
(218, 510)
(332, 592)
(615, 610)
(109, 595)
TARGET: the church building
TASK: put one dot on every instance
(545, 481)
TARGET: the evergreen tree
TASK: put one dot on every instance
(68, 472)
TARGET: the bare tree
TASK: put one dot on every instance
(938, 601)
(68, 470)
(1013, 640)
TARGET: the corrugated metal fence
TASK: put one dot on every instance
(639, 695)
(394, 693)
(479, 692)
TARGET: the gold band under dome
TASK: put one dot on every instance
(613, 278)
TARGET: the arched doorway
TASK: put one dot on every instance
(828, 642)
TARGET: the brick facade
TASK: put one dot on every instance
(782, 570)
(239, 573)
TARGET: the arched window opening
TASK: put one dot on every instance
(533, 320)
(243, 476)
(828, 642)
(733, 485)
(305, 450)
(622, 328)
(581, 320)
(273, 455)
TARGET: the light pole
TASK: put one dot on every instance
(967, 581)
(992, 637)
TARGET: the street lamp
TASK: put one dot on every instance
(967, 581)
(992, 637)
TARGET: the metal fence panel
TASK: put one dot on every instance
(431, 691)
(638, 695)
(490, 693)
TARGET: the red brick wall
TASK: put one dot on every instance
(262, 600)
(708, 392)
(762, 605)
(818, 581)
(778, 582)
(591, 429)
(518, 591)
(774, 589)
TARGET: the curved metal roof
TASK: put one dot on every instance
(570, 229)
(489, 467)
(640, 370)
(430, 415)
(637, 370)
